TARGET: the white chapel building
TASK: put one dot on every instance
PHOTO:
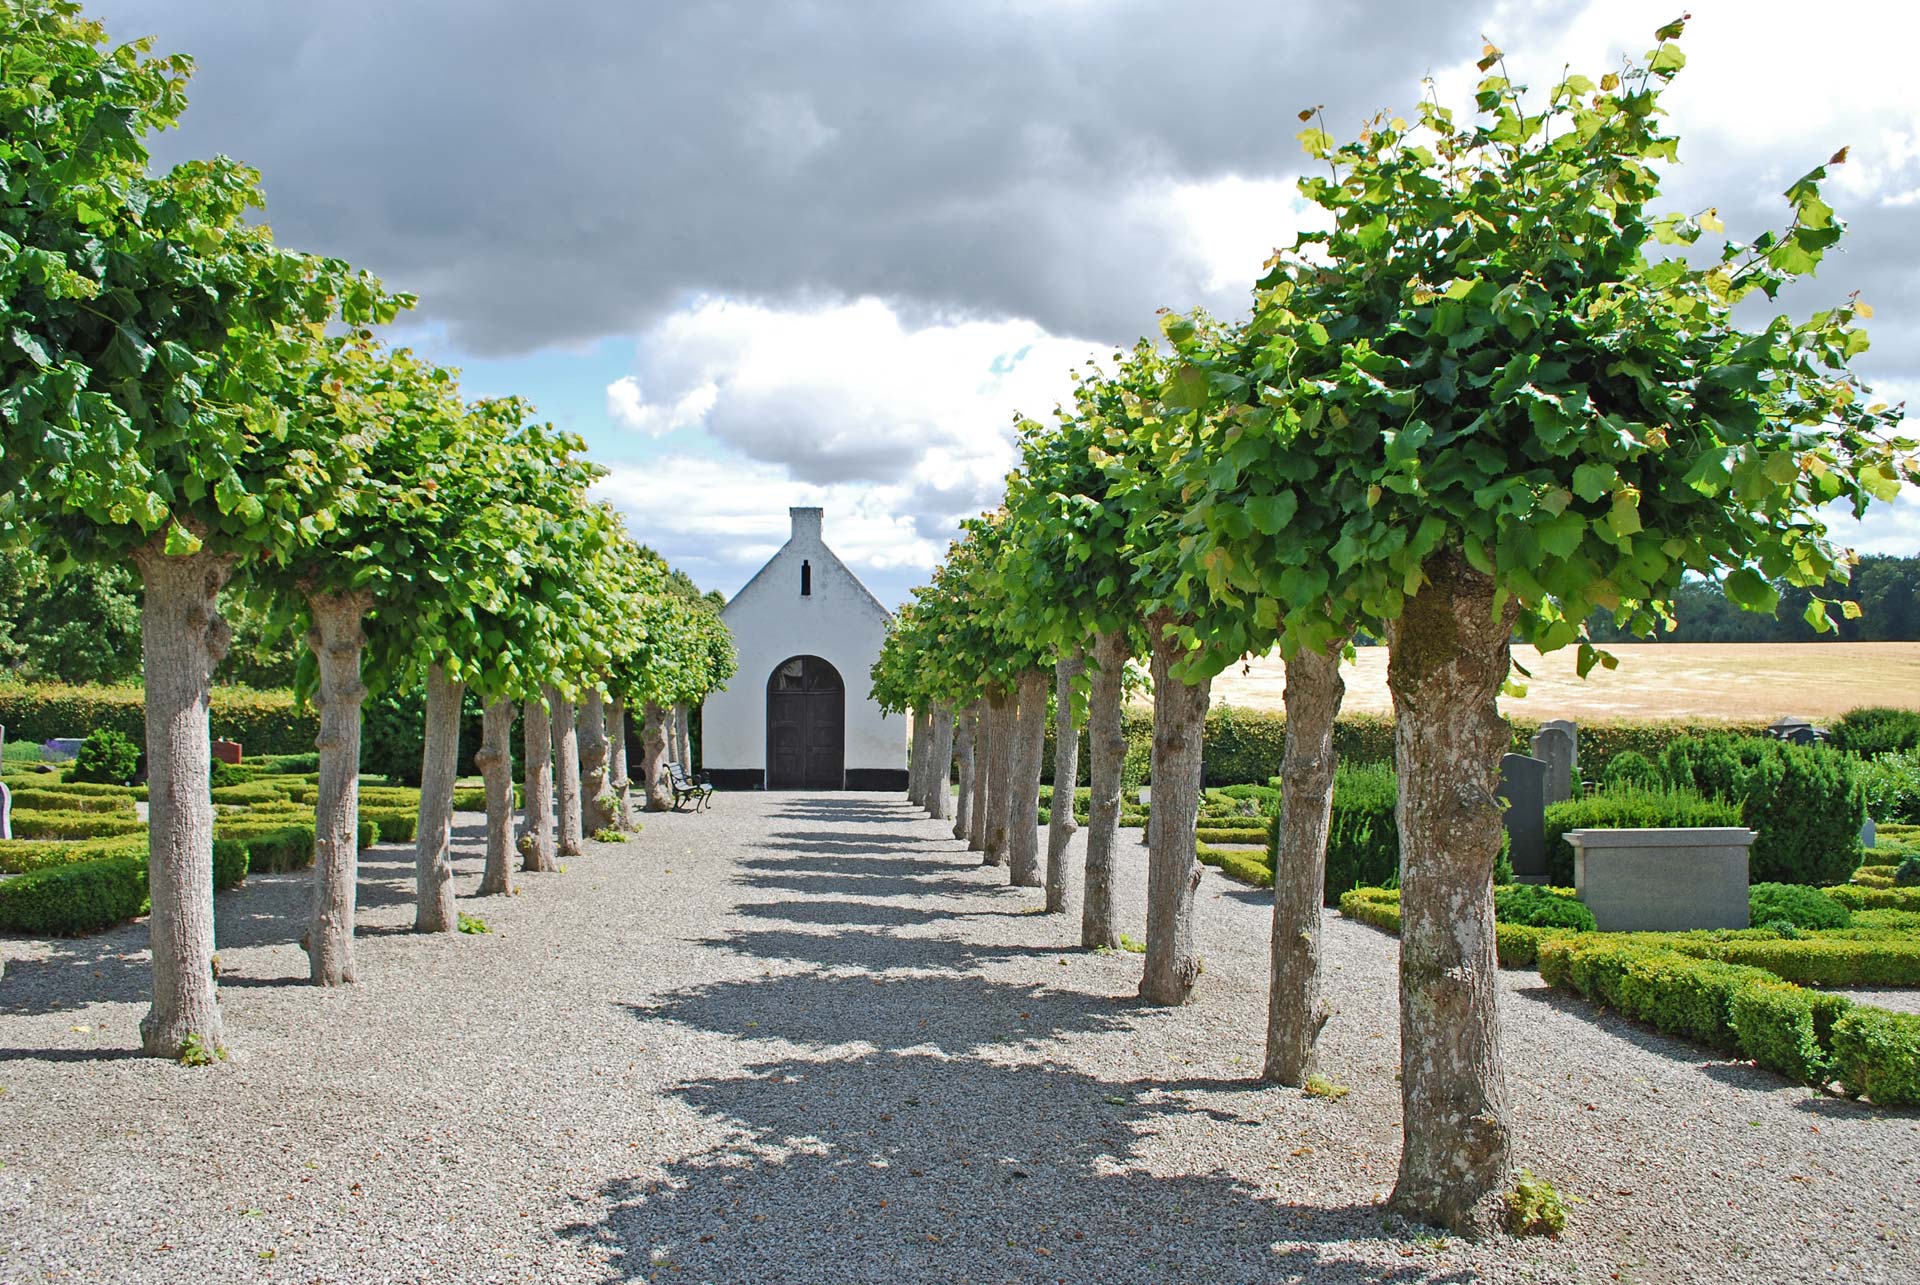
(800, 714)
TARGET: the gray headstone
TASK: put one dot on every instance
(1522, 785)
(1557, 744)
(1869, 837)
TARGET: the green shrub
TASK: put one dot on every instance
(1534, 1208)
(1891, 784)
(1363, 837)
(106, 757)
(1247, 867)
(473, 798)
(1628, 808)
(1877, 730)
(289, 764)
(1874, 898)
(1630, 769)
(1907, 873)
(1779, 1025)
(84, 897)
(369, 834)
(1876, 1054)
(30, 823)
(230, 863)
(1537, 907)
(264, 722)
(1241, 747)
(18, 856)
(223, 773)
(1225, 834)
(1800, 906)
(1815, 961)
(272, 845)
(56, 799)
(397, 825)
(251, 792)
(1803, 802)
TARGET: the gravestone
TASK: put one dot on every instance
(1557, 744)
(227, 751)
(1670, 880)
(1797, 731)
(1522, 785)
(1869, 836)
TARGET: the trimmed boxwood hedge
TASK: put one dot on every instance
(1247, 867)
(55, 799)
(263, 722)
(1877, 1055)
(1795, 904)
(1516, 945)
(19, 856)
(30, 823)
(90, 896)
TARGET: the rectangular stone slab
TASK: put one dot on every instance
(1666, 880)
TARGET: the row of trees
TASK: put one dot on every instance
(182, 395)
(1480, 405)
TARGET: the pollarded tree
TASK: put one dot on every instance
(1076, 592)
(1545, 417)
(156, 346)
(687, 654)
(385, 540)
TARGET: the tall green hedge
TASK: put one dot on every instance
(263, 722)
(1804, 802)
(1630, 808)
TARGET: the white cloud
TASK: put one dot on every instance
(627, 406)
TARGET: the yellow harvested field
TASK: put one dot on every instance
(1693, 681)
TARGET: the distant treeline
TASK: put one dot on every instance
(1887, 589)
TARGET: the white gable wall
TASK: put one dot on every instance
(771, 622)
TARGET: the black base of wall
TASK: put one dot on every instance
(877, 778)
(737, 778)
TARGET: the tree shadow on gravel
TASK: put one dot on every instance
(836, 913)
(877, 952)
(907, 1166)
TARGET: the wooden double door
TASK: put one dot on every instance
(806, 726)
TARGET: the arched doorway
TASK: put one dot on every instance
(806, 726)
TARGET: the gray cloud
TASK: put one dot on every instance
(550, 174)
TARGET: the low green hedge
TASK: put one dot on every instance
(56, 799)
(1516, 945)
(1799, 1033)
(1247, 867)
(19, 856)
(271, 846)
(397, 825)
(90, 896)
(1228, 834)
(1817, 961)
(30, 823)
(1538, 907)
(473, 798)
(1792, 903)
(251, 792)
(1857, 898)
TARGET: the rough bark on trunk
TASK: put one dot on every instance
(337, 641)
(917, 754)
(1295, 1010)
(1106, 753)
(940, 764)
(566, 773)
(182, 638)
(621, 783)
(1449, 654)
(596, 800)
(1066, 777)
(653, 758)
(1000, 712)
(536, 827)
(963, 733)
(982, 776)
(1030, 748)
(1173, 873)
(495, 761)
(433, 910)
(682, 739)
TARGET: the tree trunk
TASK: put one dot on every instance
(596, 800)
(182, 639)
(963, 733)
(433, 910)
(1450, 652)
(337, 641)
(1030, 747)
(536, 829)
(682, 739)
(495, 761)
(940, 764)
(1000, 710)
(566, 772)
(1295, 1010)
(982, 777)
(1173, 873)
(621, 783)
(653, 758)
(1106, 753)
(917, 732)
(1066, 776)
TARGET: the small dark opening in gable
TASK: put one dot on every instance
(806, 579)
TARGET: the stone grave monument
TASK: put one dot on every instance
(1557, 744)
(1522, 785)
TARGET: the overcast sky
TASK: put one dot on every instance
(774, 252)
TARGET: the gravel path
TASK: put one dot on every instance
(807, 1038)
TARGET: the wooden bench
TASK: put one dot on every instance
(699, 789)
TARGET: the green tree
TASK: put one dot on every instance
(81, 627)
(1529, 413)
(155, 343)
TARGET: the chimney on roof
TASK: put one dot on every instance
(806, 525)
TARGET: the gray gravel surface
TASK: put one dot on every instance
(807, 1038)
